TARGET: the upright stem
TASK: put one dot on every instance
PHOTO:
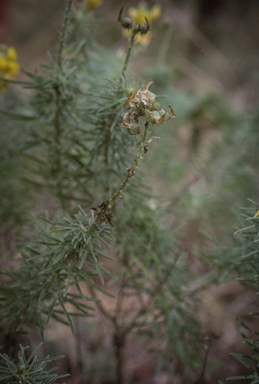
(63, 31)
(57, 137)
(119, 345)
(120, 93)
(125, 65)
(124, 183)
(57, 122)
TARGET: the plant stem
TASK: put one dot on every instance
(211, 339)
(119, 345)
(125, 65)
(57, 123)
(119, 337)
(63, 32)
(57, 138)
(124, 183)
(155, 292)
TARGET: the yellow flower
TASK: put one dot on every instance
(3, 63)
(8, 66)
(257, 214)
(12, 68)
(92, 4)
(11, 54)
(138, 15)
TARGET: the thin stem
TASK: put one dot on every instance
(211, 339)
(119, 339)
(165, 46)
(63, 32)
(120, 297)
(130, 173)
(125, 65)
(57, 138)
(57, 123)
(155, 292)
(100, 305)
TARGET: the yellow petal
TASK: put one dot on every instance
(11, 54)
(3, 65)
(154, 13)
(12, 67)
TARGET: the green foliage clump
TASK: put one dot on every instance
(248, 268)
(87, 129)
(65, 254)
(28, 370)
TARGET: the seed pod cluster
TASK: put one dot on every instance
(143, 104)
(126, 23)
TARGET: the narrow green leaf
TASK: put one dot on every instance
(50, 312)
(33, 353)
(67, 315)
(241, 360)
(68, 279)
(82, 260)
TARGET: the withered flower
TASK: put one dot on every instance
(125, 123)
(142, 103)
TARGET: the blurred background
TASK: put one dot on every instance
(203, 59)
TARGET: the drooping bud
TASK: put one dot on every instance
(125, 21)
(144, 27)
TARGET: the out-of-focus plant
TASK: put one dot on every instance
(90, 5)
(29, 370)
(86, 137)
(138, 16)
(8, 66)
(248, 263)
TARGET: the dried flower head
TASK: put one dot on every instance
(142, 104)
(142, 99)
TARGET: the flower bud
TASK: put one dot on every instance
(144, 27)
(164, 114)
(156, 105)
(151, 96)
(154, 117)
(125, 21)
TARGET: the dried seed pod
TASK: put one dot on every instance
(134, 129)
(172, 113)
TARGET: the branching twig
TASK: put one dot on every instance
(211, 339)
(124, 183)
